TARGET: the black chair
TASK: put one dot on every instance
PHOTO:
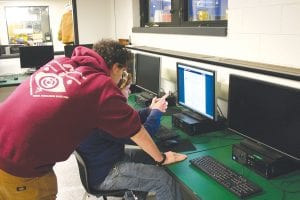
(100, 193)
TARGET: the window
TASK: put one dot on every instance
(213, 12)
(28, 25)
(160, 11)
(184, 13)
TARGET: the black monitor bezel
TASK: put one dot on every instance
(25, 54)
(137, 83)
(247, 135)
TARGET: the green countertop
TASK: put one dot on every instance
(285, 187)
(219, 145)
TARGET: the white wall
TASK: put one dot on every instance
(266, 31)
(99, 19)
(96, 20)
(123, 12)
(10, 66)
(56, 10)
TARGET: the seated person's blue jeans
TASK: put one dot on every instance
(137, 172)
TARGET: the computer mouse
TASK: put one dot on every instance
(170, 143)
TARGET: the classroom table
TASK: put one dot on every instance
(12, 79)
(218, 144)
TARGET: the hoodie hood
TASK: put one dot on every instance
(84, 56)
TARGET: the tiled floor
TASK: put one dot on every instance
(69, 185)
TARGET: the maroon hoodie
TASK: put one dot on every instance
(50, 113)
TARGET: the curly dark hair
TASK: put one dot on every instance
(112, 52)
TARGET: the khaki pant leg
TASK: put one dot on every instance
(18, 188)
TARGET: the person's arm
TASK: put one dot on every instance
(144, 113)
(150, 117)
(151, 124)
(143, 139)
(156, 104)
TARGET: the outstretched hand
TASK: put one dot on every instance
(159, 103)
(173, 157)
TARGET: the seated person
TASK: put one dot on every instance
(111, 166)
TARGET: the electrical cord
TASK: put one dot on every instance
(220, 111)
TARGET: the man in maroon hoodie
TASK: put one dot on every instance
(50, 113)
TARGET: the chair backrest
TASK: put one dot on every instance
(82, 171)
(84, 180)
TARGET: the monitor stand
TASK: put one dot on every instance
(263, 160)
(194, 115)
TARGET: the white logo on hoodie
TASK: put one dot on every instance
(49, 83)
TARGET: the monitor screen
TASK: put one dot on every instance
(69, 48)
(266, 113)
(148, 73)
(35, 56)
(196, 89)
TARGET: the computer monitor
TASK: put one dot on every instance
(35, 56)
(147, 70)
(69, 48)
(265, 113)
(196, 89)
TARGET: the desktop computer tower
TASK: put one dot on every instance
(264, 161)
(195, 126)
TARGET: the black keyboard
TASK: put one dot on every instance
(226, 177)
(165, 133)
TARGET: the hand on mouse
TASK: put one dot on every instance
(173, 157)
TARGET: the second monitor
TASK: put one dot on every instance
(147, 71)
(35, 56)
(196, 92)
